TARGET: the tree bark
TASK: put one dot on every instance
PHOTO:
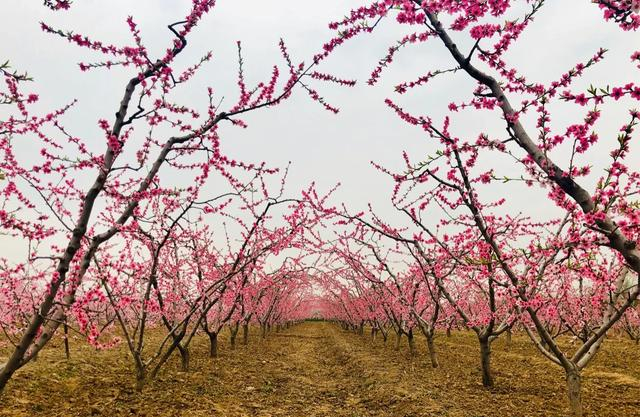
(67, 350)
(245, 334)
(543, 343)
(433, 355)
(141, 379)
(185, 358)
(412, 343)
(398, 338)
(485, 359)
(213, 345)
(234, 333)
(574, 387)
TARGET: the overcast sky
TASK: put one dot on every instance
(323, 147)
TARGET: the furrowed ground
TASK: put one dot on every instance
(317, 369)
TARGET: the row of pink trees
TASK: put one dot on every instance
(169, 273)
(102, 222)
(573, 271)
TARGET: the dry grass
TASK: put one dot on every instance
(316, 369)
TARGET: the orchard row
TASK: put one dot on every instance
(126, 239)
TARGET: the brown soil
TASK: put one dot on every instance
(316, 369)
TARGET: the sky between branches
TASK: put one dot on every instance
(322, 147)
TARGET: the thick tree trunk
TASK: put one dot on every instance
(574, 388)
(398, 338)
(245, 334)
(433, 355)
(485, 359)
(213, 345)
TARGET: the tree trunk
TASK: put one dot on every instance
(485, 358)
(398, 337)
(245, 334)
(433, 355)
(449, 331)
(574, 386)
(5, 374)
(185, 358)
(213, 345)
(509, 334)
(412, 343)
(234, 333)
(67, 350)
(141, 377)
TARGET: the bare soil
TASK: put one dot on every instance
(317, 369)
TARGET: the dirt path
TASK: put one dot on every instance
(309, 372)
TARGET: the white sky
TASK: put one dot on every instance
(323, 147)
